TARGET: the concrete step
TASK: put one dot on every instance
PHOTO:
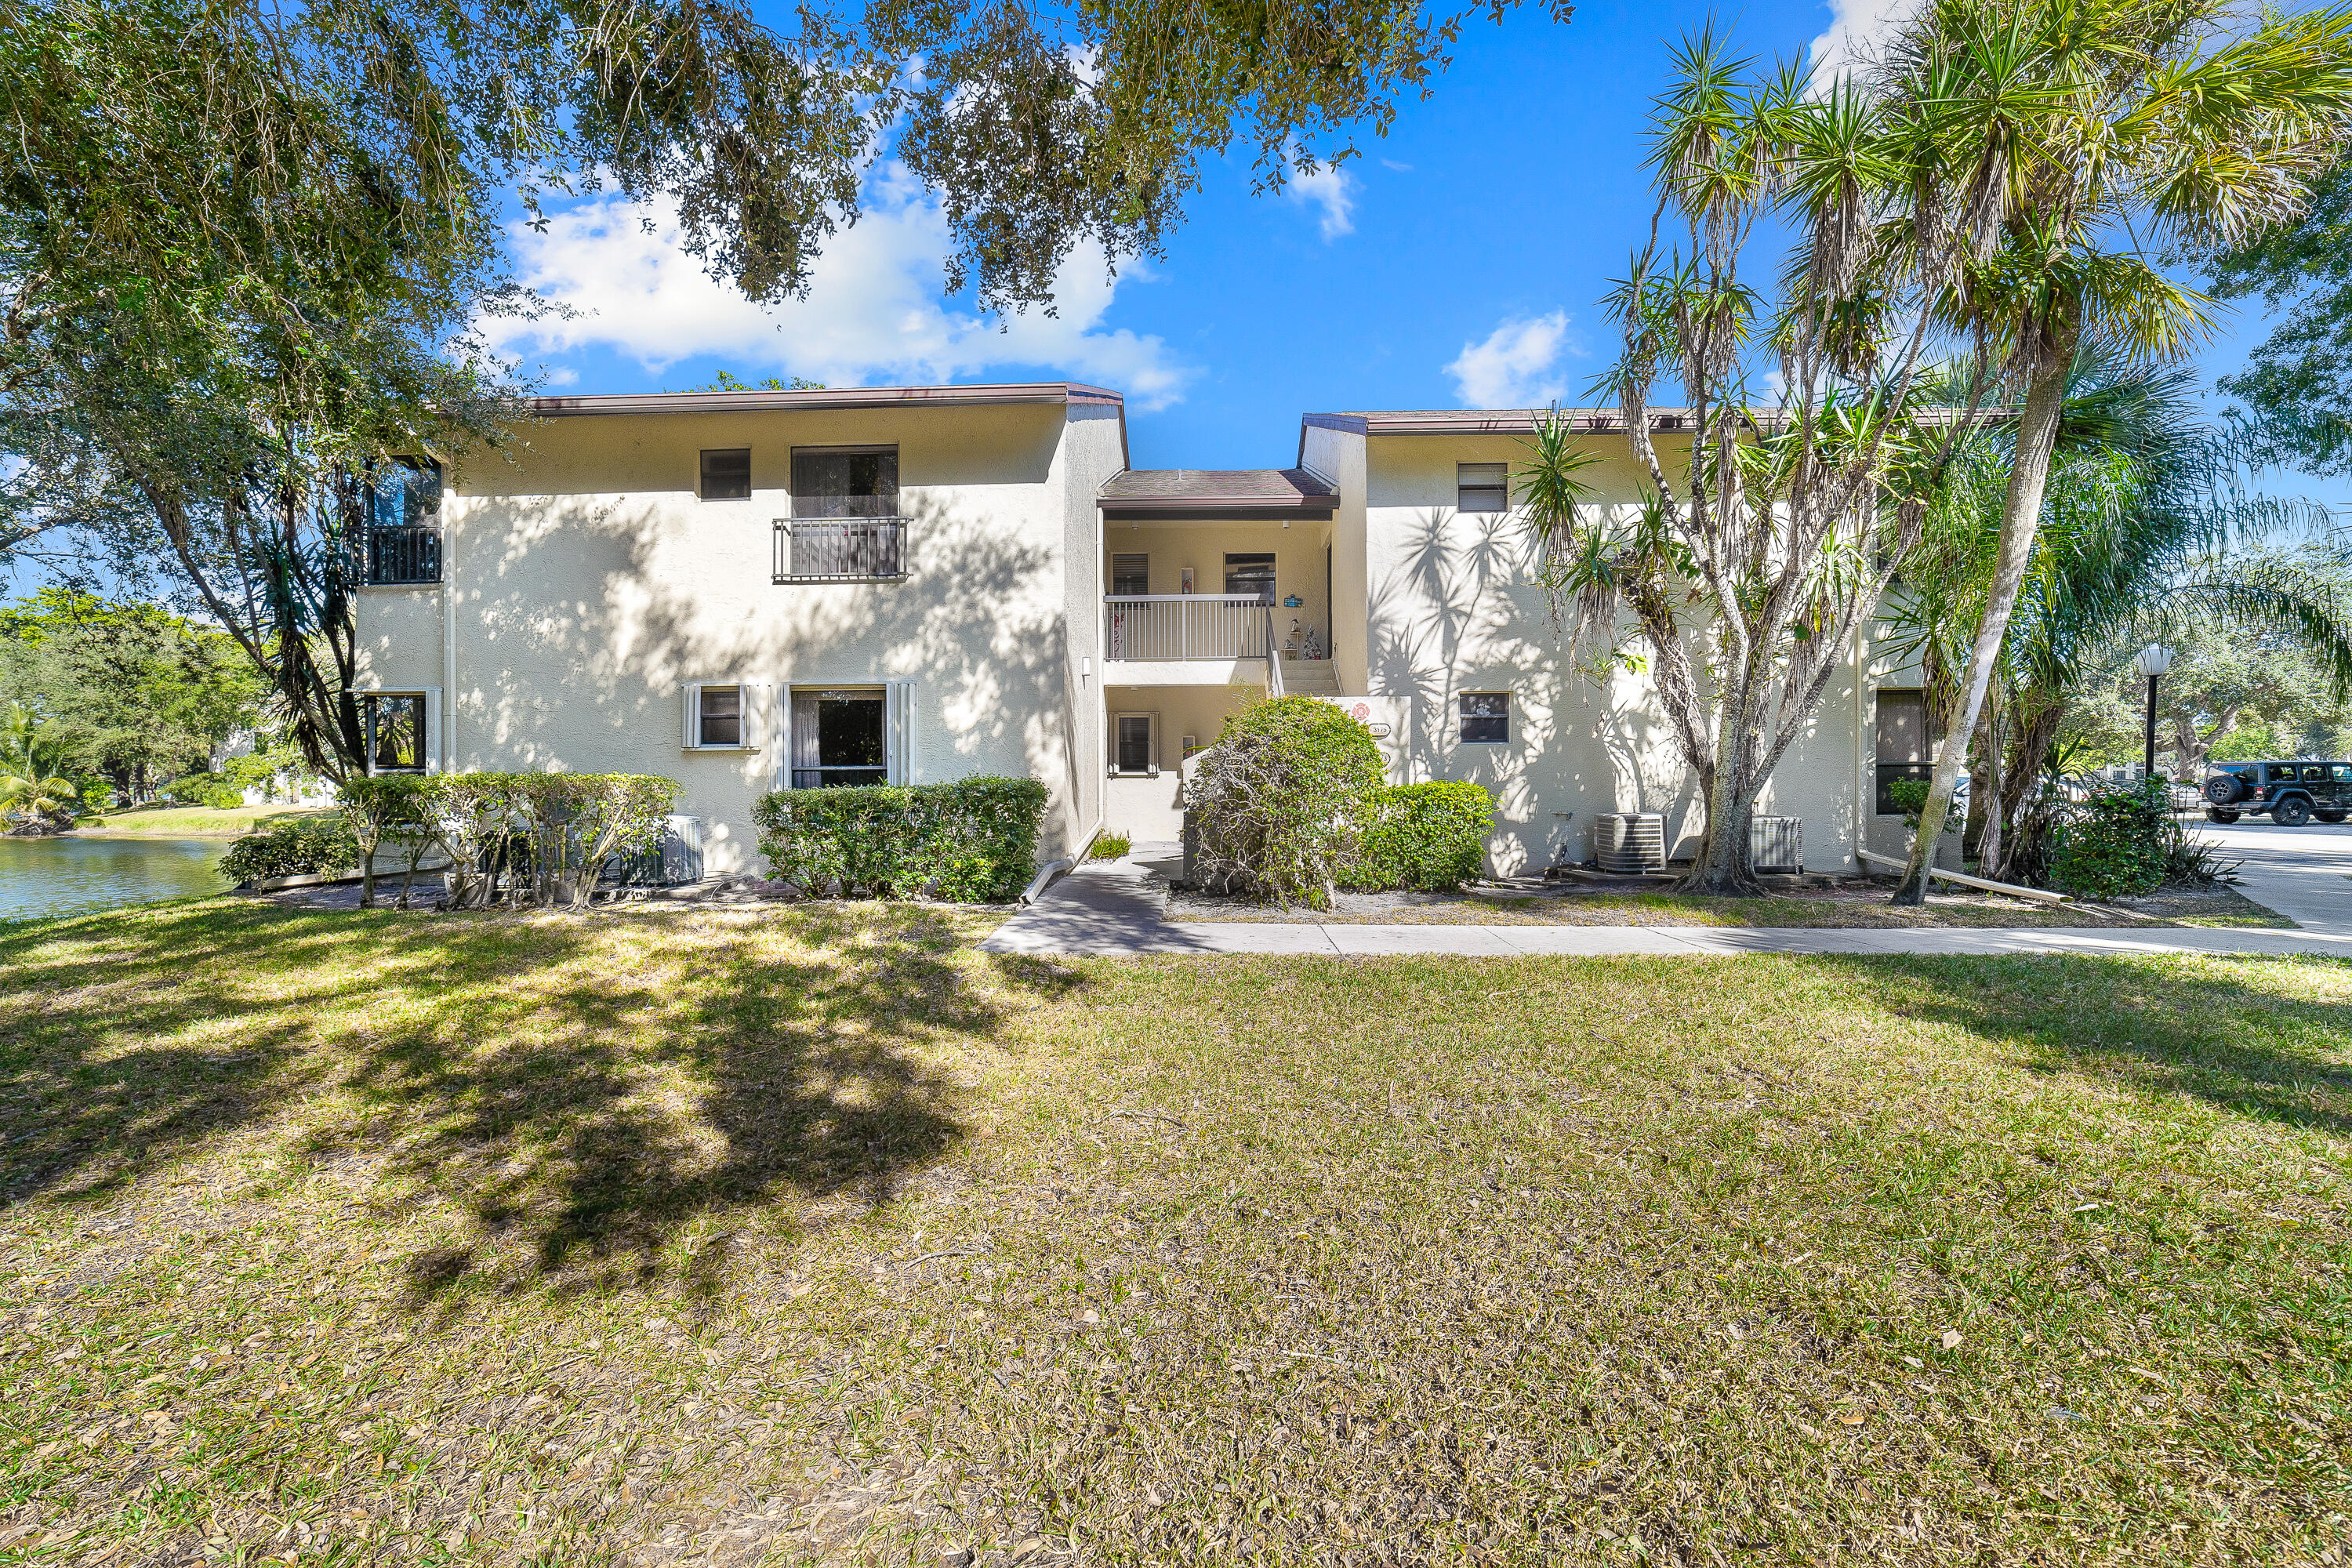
(1315, 676)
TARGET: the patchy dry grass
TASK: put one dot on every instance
(188, 821)
(815, 1235)
(1839, 905)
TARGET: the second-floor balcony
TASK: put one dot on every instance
(1155, 628)
(840, 549)
(400, 556)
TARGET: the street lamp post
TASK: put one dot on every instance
(2153, 661)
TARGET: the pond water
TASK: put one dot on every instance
(71, 876)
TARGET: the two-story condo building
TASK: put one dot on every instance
(750, 591)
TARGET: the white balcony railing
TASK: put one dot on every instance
(1185, 625)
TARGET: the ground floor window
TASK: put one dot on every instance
(839, 737)
(394, 726)
(1135, 743)
(718, 715)
(1486, 716)
(1904, 743)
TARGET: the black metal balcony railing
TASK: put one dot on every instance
(810, 550)
(408, 555)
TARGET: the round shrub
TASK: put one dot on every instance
(2116, 845)
(1282, 803)
(1430, 837)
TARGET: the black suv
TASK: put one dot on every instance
(2292, 793)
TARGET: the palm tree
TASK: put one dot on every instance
(2091, 132)
(35, 798)
(2134, 535)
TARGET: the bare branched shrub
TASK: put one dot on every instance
(1282, 802)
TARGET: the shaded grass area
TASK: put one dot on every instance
(1842, 906)
(815, 1234)
(188, 821)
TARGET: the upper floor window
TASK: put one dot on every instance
(1130, 575)
(1483, 487)
(727, 474)
(1486, 716)
(404, 492)
(844, 481)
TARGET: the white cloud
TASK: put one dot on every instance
(1517, 365)
(872, 314)
(1331, 188)
(1857, 30)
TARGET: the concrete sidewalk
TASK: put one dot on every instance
(1115, 909)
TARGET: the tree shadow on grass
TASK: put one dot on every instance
(582, 1088)
(2237, 1039)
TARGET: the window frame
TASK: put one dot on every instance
(1116, 592)
(1463, 489)
(750, 699)
(1150, 768)
(370, 702)
(1463, 718)
(702, 476)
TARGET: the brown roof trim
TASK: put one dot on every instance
(765, 401)
(1522, 421)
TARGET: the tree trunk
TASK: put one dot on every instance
(2037, 435)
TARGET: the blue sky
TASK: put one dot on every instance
(1456, 262)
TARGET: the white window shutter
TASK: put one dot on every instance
(693, 708)
(756, 713)
(432, 729)
(898, 731)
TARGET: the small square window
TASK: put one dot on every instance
(1483, 487)
(719, 716)
(726, 475)
(1486, 716)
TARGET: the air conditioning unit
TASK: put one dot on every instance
(1629, 843)
(673, 862)
(1776, 843)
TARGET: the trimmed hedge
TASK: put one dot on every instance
(539, 839)
(309, 847)
(972, 841)
(1431, 838)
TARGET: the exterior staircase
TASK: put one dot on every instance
(1311, 678)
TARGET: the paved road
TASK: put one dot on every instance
(2305, 873)
(1114, 910)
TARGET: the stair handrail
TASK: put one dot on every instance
(1273, 657)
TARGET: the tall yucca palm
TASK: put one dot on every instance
(2061, 141)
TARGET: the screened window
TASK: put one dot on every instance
(1906, 748)
(1252, 573)
(845, 481)
(395, 732)
(727, 474)
(719, 716)
(838, 738)
(1135, 743)
(1486, 716)
(1131, 575)
(1483, 487)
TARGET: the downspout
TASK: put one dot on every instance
(448, 643)
(1861, 791)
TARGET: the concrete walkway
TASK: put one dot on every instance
(1115, 909)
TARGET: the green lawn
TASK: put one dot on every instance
(188, 821)
(813, 1234)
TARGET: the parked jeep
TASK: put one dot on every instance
(2292, 793)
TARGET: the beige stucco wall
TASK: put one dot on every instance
(590, 584)
(1455, 606)
(1339, 457)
